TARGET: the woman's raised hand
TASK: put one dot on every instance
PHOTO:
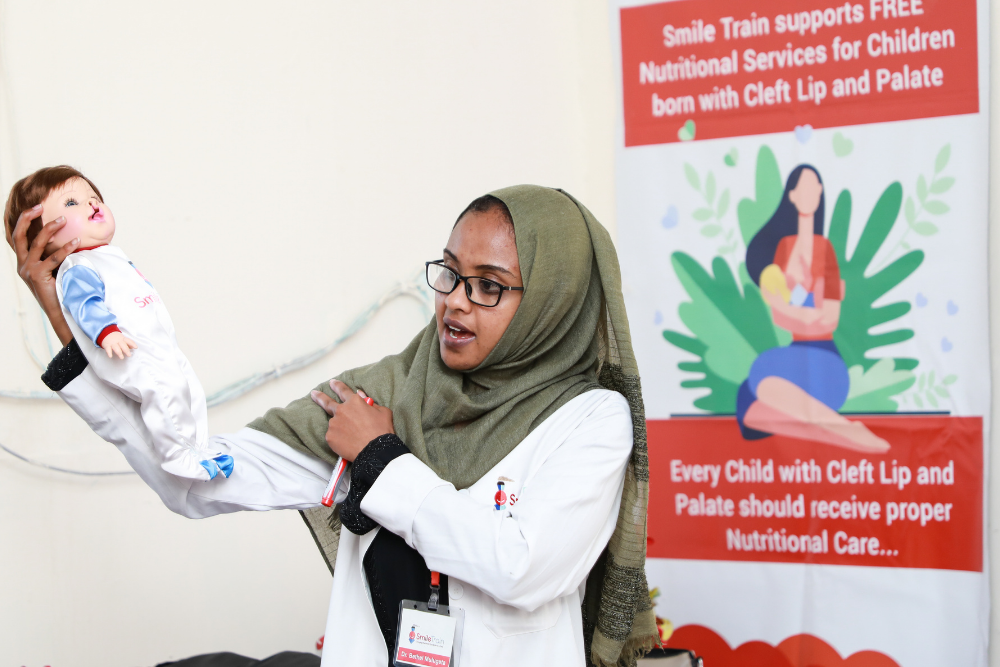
(353, 423)
(37, 273)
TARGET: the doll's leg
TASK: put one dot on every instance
(199, 406)
(164, 390)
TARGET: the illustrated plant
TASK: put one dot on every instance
(912, 211)
(731, 324)
(928, 390)
(713, 210)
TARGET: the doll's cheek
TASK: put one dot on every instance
(70, 231)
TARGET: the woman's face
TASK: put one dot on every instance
(481, 244)
(806, 193)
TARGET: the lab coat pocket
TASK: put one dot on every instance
(504, 620)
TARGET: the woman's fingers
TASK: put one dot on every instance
(19, 239)
(324, 401)
(56, 258)
(341, 390)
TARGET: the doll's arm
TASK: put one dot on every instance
(83, 299)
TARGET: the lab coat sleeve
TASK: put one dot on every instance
(83, 299)
(540, 549)
(269, 474)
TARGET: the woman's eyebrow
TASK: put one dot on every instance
(494, 267)
(481, 267)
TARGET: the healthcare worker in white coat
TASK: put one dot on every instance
(501, 455)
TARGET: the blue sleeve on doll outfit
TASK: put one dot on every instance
(83, 297)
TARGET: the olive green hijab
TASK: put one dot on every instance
(569, 335)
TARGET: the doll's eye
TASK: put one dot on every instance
(70, 202)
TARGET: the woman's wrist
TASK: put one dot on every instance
(365, 470)
(59, 324)
(49, 303)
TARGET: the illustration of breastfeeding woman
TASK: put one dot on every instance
(796, 390)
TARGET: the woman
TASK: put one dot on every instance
(797, 390)
(521, 380)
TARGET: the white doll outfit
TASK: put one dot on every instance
(101, 292)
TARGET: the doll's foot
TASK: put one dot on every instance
(223, 463)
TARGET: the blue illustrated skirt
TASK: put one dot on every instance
(814, 365)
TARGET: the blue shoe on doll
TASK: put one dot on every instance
(223, 463)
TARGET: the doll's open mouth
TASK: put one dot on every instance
(98, 216)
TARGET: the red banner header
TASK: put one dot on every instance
(702, 69)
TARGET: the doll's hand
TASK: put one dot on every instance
(353, 423)
(116, 343)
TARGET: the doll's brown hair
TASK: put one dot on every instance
(32, 190)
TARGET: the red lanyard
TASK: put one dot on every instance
(432, 602)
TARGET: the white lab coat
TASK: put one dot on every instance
(519, 572)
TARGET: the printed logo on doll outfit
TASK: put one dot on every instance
(140, 273)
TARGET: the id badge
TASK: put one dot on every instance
(428, 638)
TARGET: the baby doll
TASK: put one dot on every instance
(109, 304)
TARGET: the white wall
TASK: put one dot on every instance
(274, 168)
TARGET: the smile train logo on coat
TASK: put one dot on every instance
(500, 499)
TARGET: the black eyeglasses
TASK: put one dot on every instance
(481, 291)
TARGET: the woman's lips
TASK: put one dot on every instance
(454, 335)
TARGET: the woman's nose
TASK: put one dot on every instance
(458, 299)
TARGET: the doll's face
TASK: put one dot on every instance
(87, 217)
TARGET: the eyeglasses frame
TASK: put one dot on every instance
(468, 286)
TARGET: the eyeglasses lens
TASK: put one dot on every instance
(479, 290)
(484, 292)
(441, 278)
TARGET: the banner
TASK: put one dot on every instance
(802, 226)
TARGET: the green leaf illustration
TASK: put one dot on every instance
(910, 210)
(858, 315)
(930, 399)
(753, 213)
(949, 379)
(941, 391)
(941, 185)
(711, 230)
(723, 206)
(936, 207)
(692, 177)
(710, 187)
(925, 228)
(702, 214)
(941, 161)
(734, 327)
(871, 390)
(722, 393)
(921, 188)
(916, 399)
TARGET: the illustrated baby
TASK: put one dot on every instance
(120, 322)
